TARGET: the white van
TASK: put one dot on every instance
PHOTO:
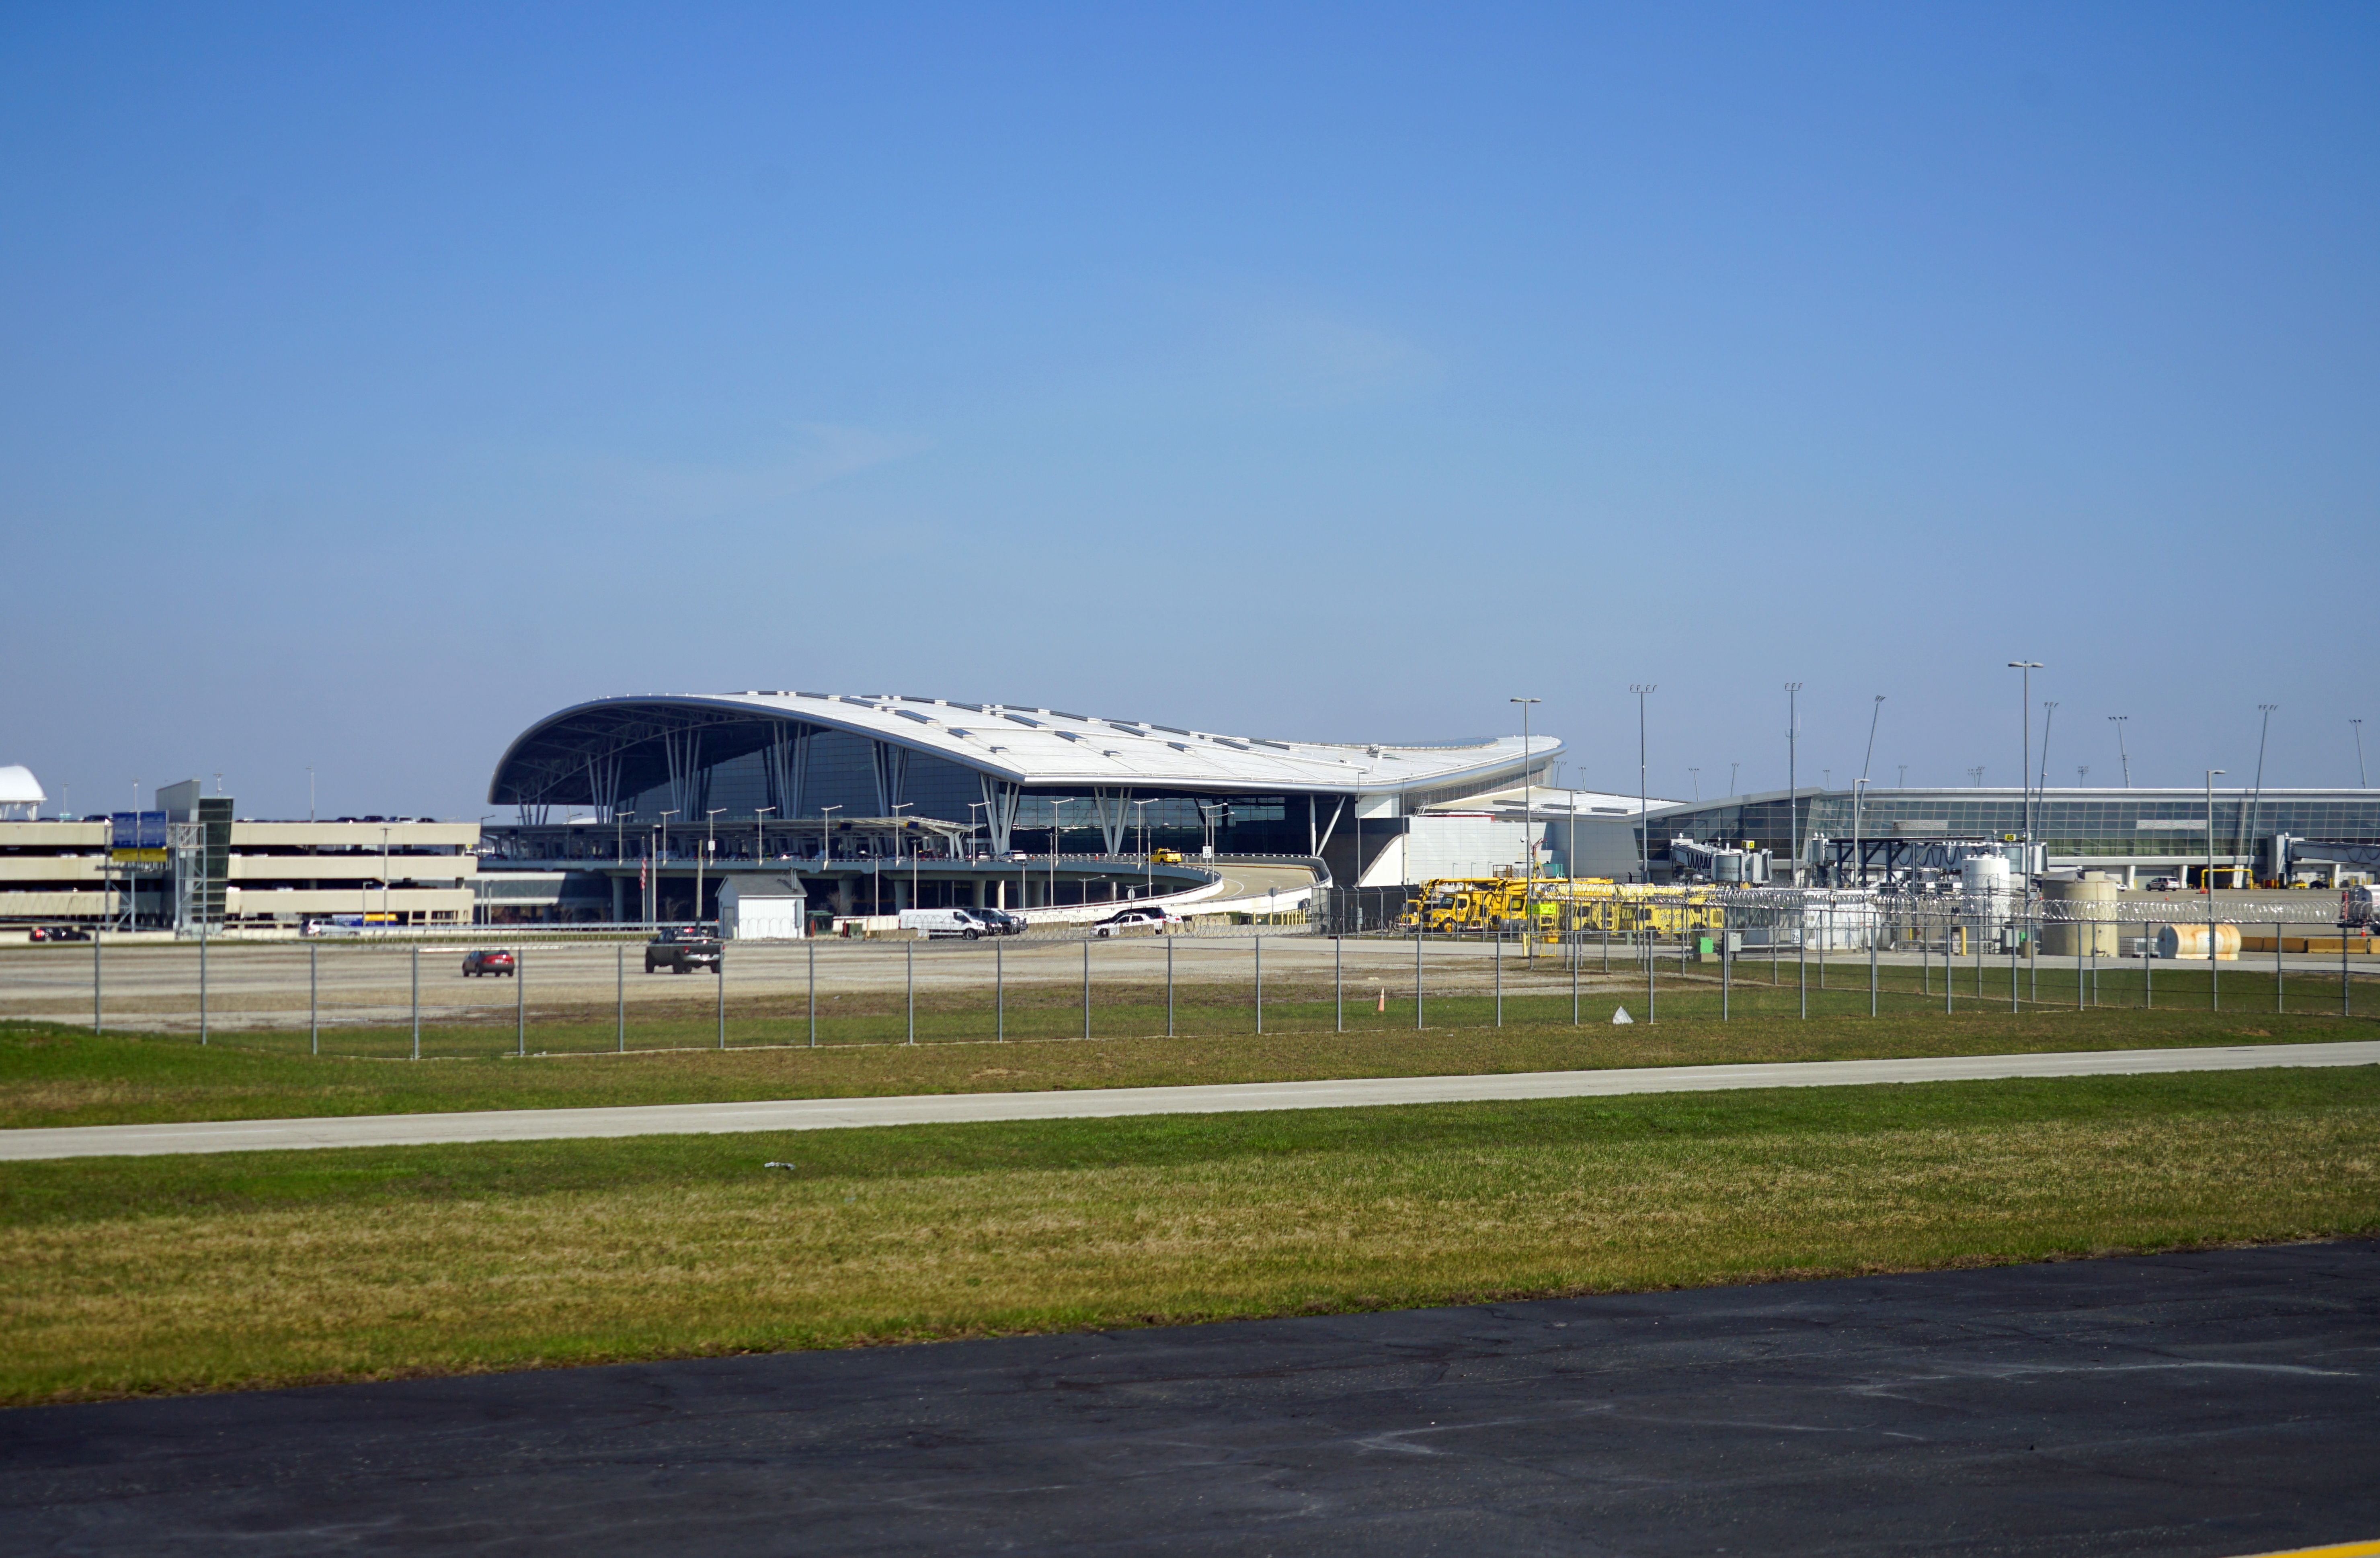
(937, 924)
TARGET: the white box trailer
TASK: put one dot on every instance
(763, 909)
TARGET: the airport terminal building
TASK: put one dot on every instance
(2322, 836)
(617, 801)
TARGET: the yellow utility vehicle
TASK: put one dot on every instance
(1165, 857)
(1549, 907)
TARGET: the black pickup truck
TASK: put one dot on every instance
(682, 951)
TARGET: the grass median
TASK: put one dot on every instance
(130, 1275)
(59, 1076)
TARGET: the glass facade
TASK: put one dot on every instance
(2115, 824)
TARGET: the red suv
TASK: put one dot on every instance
(475, 963)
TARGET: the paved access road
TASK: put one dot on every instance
(2188, 1406)
(829, 1114)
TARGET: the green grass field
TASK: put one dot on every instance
(66, 1076)
(140, 1275)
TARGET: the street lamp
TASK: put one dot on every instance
(759, 838)
(1528, 834)
(1792, 775)
(1859, 859)
(2206, 883)
(1875, 713)
(710, 848)
(974, 806)
(661, 852)
(2121, 755)
(1056, 833)
(1644, 825)
(825, 843)
(2360, 782)
(2024, 713)
(2248, 823)
(1147, 866)
(899, 840)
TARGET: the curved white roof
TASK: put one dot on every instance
(18, 787)
(1043, 746)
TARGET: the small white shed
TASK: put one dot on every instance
(757, 908)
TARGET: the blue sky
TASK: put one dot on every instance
(374, 380)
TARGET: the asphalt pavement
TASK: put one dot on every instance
(829, 1114)
(2194, 1406)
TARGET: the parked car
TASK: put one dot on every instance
(1148, 917)
(487, 961)
(999, 922)
(944, 924)
(57, 933)
(682, 951)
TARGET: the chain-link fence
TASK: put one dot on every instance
(1723, 956)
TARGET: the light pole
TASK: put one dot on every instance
(1792, 775)
(1528, 836)
(661, 853)
(2121, 755)
(383, 877)
(973, 806)
(2024, 714)
(759, 836)
(309, 793)
(1875, 714)
(1859, 860)
(1695, 776)
(1732, 767)
(710, 848)
(2082, 775)
(825, 844)
(2206, 884)
(1644, 825)
(899, 840)
(1056, 833)
(1147, 866)
(2247, 828)
(2360, 782)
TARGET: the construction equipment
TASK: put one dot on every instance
(1550, 908)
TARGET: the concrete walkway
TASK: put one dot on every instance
(833, 1114)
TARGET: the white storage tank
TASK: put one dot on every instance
(1983, 880)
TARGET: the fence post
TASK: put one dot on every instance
(909, 987)
(1086, 989)
(313, 1002)
(1950, 962)
(1168, 987)
(2032, 955)
(1726, 975)
(2346, 1000)
(620, 996)
(1871, 959)
(1418, 919)
(1499, 979)
(520, 1007)
(202, 984)
(2148, 966)
(719, 973)
(97, 935)
(999, 994)
(417, 1003)
(810, 942)
(1651, 961)
(2280, 1004)
(1574, 950)
(1259, 941)
(1802, 953)
(1338, 981)
(2015, 929)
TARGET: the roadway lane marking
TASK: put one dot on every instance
(948, 1108)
